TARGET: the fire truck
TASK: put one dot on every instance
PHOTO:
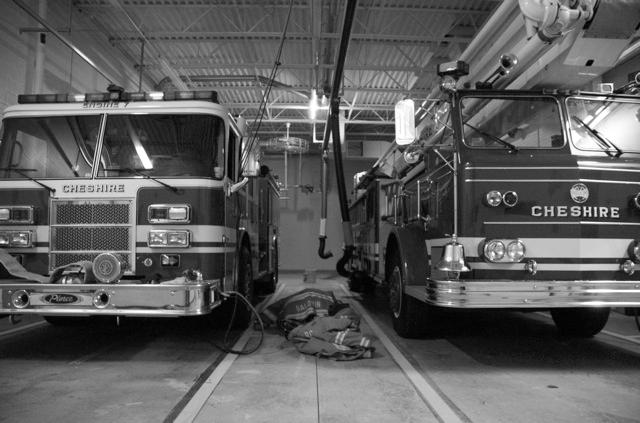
(131, 204)
(515, 196)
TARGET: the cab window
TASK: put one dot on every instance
(522, 122)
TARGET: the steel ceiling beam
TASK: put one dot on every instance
(413, 92)
(347, 122)
(195, 37)
(189, 4)
(187, 64)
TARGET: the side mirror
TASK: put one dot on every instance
(405, 122)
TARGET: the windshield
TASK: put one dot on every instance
(48, 147)
(162, 145)
(152, 145)
(513, 123)
(600, 124)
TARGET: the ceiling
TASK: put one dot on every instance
(232, 46)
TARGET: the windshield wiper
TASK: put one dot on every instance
(21, 171)
(144, 175)
(499, 140)
(602, 142)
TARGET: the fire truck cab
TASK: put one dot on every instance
(131, 204)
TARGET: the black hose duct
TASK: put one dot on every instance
(323, 211)
(321, 248)
(342, 191)
(333, 128)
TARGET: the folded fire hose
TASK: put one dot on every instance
(15, 268)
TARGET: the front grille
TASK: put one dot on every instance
(92, 213)
(80, 230)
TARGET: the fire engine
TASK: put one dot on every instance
(131, 204)
(513, 196)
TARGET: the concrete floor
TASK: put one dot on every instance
(282, 384)
(504, 367)
(496, 366)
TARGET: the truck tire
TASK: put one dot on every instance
(361, 282)
(356, 281)
(275, 275)
(580, 322)
(243, 313)
(409, 315)
(266, 284)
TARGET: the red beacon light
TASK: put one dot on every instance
(119, 95)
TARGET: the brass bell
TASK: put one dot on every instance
(452, 259)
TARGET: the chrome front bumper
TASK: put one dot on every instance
(527, 294)
(109, 299)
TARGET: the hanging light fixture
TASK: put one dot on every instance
(313, 104)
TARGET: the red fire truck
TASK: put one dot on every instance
(131, 204)
(523, 199)
(530, 201)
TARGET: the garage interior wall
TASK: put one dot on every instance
(300, 210)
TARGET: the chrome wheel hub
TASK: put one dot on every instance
(395, 292)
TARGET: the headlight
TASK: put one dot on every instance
(503, 250)
(510, 198)
(16, 239)
(494, 250)
(515, 250)
(16, 214)
(634, 251)
(636, 201)
(494, 198)
(175, 238)
(169, 213)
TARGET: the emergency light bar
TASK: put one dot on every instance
(211, 96)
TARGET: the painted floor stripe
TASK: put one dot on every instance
(22, 328)
(199, 399)
(428, 394)
(633, 339)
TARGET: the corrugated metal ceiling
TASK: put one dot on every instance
(231, 46)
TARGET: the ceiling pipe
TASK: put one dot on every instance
(63, 39)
